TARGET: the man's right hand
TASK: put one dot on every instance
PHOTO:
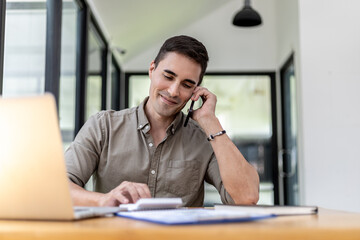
(126, 192)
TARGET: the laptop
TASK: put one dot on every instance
(33, 179)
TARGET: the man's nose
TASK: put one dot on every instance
(174, 89)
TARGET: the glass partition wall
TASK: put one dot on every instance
(245, 111)
(67, 96)
(24, 48)
(94, 83)
(83, 78)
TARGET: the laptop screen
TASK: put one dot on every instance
(33, 181)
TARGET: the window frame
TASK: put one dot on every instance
(115, 84)
(53, 48)
(2, 41)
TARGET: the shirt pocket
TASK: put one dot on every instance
(182, 177)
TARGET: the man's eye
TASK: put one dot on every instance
(168, 77)
(187, 85)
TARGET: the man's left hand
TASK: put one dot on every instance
(207, 110)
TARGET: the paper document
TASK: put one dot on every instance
(193, 216)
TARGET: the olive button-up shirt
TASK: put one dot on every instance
(116, 146)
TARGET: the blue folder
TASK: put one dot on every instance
(185, 216)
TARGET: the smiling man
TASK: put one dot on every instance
(147, 152)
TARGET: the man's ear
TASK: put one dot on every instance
(151, 68)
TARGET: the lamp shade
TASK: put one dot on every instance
(247, 17)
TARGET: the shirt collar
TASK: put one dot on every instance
(175, 124)
(143, 122)
(144, 125)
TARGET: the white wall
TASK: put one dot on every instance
(330, 79)
(230, 48)
(287, 29)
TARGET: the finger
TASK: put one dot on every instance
(127, 189)
(120, 197)
(201, 92)
(144, 191)
(131, 191)
(197, 89)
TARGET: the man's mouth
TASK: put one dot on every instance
(168, 101)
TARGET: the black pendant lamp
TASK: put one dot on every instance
(247, 17)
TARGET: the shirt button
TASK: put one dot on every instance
(152, 172)
(147, 127)
(150, 144)
(140, 126)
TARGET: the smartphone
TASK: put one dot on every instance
(189, 113)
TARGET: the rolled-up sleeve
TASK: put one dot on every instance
(213, 177)
(83, 154)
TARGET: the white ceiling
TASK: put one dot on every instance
(134, 25)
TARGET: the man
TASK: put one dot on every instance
(146, 151)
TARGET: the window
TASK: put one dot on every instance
(68, 72)
(139, 86)
(24, 50)
(244, 109)
(95, 83)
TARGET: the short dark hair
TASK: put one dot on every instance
(187, 46)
